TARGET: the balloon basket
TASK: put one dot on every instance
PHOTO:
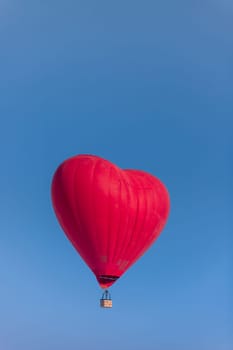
(106, 301)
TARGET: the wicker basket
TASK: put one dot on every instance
(106, 303)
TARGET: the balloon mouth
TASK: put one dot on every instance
(106, 281)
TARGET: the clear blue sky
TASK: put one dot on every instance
(145, 84)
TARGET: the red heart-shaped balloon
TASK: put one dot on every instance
(111, 216)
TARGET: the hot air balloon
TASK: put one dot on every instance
(110, 215)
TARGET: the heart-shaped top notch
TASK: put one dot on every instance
(110, 215)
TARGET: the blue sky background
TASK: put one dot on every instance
(145, 84)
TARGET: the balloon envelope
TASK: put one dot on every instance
(110, 215)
